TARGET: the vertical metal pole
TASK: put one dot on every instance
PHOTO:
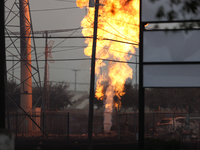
(3, 69)
(136, 72)
(141, 88)
(173, 124)
(75, 79)
(188, 123)
(44, 102)
(153, 124)
(68, 126)
(13, 68)
(118, 123)
(92, 78)
(135, 124)
(16, 124)
(43, 124)
(8, 119)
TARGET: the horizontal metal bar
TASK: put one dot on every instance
(173, 63)
(174, 30)
(175, 21)
(194, 118)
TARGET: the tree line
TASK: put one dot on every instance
(60, 96)
(171, 98)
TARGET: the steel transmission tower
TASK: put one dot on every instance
(20, 44)
(18, 19)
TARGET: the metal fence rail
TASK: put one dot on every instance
(73, 124)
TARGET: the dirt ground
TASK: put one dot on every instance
(106, 141)
(61, 144)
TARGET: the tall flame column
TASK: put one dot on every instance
(26, 76)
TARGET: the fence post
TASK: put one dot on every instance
(16, 124)
(188, 123)
(118, 124)
(153, 124)
(43, 124)
(8, 120)
(135, 124)
(68, 126)
(102, 122)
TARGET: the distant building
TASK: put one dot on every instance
(80, 101)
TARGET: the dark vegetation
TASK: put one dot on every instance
(171, 98)
(60, 96)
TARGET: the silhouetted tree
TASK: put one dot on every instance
(173, 97)
(186, 7)
(12, 91)
(59, 96)
(130, 98)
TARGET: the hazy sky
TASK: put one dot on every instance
(54, 15)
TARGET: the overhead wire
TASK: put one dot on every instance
(117, 30)
(64, 39)
(69, 68)
(122, 36)
(52, 9)
(80, 59)
(80, 47)
(69, 35)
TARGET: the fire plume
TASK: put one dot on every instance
(117, 20)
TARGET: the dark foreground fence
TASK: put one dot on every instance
(74, 124)
(64, 124)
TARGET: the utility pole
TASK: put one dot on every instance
(75, 70)
(92, 78)
(44, 102)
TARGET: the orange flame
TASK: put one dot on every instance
(117, 20)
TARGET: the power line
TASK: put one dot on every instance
(122, 21)
(77, 37)
(68, 37)
(116, 30)
(52, 9)
(67, 1)
(80, 59)
(68, 82)
(57, 47)
(43, 31)
(78, 48)
(70, 68)
(122, 36)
